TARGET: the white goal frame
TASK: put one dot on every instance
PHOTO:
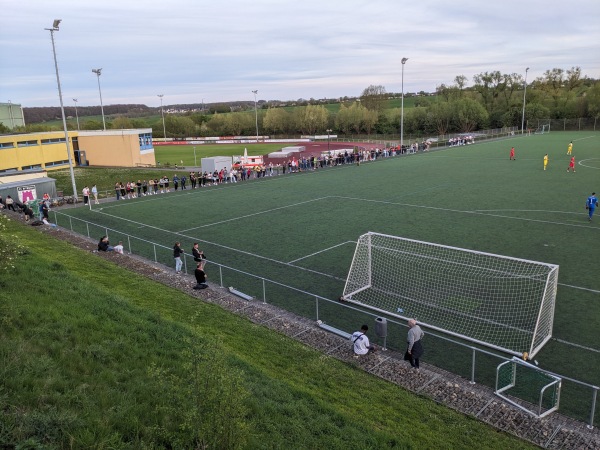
(551, 388)
(497, 301)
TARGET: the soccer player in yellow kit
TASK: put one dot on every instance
(570, 148)
(545, 160)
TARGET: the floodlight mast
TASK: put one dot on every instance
(256, 114)
(62, 108)
(163, 116)
(403, 61)
(524, 97)
(98, 72)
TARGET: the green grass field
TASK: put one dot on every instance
(301, 230)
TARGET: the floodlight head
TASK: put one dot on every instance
(56, 23)
(97, 71)
(255, 92)
(75, 100)
(404, 60)
(527, 70)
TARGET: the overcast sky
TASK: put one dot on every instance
(195, 50)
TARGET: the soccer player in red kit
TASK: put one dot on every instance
(512, 154)
(572, 164)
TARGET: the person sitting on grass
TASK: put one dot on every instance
(104, 245)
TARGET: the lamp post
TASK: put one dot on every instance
(62, 108)
(163, 116)
(195, 161)
(524, 97)
(402, 107)
(76, 115)
(328, 133)
(256, 114)
(98, 72)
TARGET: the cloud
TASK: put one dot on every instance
(220, 51)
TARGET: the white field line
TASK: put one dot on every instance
(250, 254)
(253, 214)
(526, 210)
(579, 287)
(576, 345)
(437, 208)
(322, 251)
(581, 163)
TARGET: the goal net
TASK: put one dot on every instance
(497, 301)
(543, 129)
(529, 388)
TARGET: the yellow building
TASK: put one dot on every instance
(48, 151)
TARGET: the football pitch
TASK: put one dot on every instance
(300, 230)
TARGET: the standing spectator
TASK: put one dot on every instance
(122, 187)
(151, 187)
(183, 180)
(200, 276)
(360, 342)
(118, 191)
(415, 347)
(44, 210)
(590, 204)
(144, 188)
(95, 194)
(119, 247)
(197, 253)
(10, 203)
(175, 181)
(138, 185)
(177, 252)
(86, 195)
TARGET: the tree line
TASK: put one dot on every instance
(493, 100)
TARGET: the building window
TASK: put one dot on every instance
(145, 141)
(7, 145)
(27, 143)
(57, 163)
(33, 167)
(53, 141)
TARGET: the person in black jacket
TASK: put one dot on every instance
(197, 253)
(104, 245)
(200, 276)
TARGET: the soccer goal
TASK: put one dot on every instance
(543, 129)
(497, 301)
(529, 388)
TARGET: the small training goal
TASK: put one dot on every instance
(528, 387)
(497, 301)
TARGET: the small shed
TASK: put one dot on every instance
(216, 163)
(28, 190)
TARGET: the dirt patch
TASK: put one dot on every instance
(553, 432)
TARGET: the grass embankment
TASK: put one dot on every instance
(92, 356)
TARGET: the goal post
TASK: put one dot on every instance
(498, 301)
(528, 387)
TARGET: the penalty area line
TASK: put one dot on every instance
(595, 350)
(321, 251)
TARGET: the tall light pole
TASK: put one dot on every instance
(328, 133)
(402, 107)
(62, 108)
(195, 161)
(524, 94)
(256, 114)
(98, 72)
(76, 114)
(163, 116)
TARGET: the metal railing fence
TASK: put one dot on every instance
(478, 365)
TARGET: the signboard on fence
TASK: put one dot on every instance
(26, 193)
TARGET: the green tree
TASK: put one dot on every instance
(179, 127)
(469, 115)
(92, 125)
(593, 100)
(489, 85)
(374, 97)
(311, 119)
(121, 123)
(277, 121)
(439, 116)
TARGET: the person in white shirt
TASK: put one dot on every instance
(118, 248)
(360, 342)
